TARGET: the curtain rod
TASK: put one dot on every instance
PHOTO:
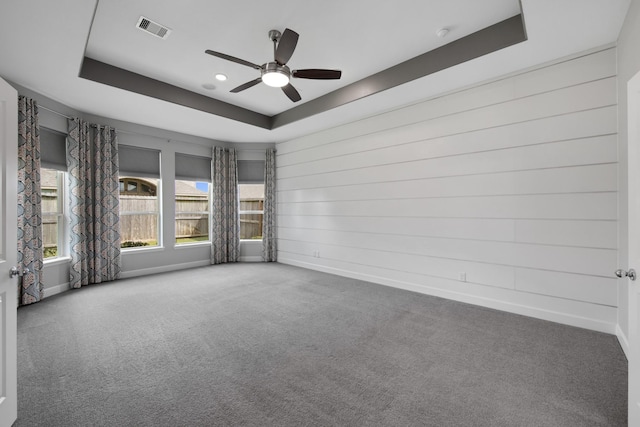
(54, 112)
(118, 130)
(65, 116)
(68, 117)
(144, 134)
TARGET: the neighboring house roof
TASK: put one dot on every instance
(252, 191)
(183, 188)
(188, 188)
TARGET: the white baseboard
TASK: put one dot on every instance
(163, 269)
(54, 290)
(622, 339)
(530, 311)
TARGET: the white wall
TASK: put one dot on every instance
(628, 65)
(503, 195)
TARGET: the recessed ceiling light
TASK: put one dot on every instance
(221, 77)
(442, 32)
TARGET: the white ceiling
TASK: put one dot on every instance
(42, 45)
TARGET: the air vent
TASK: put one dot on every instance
(154, 28)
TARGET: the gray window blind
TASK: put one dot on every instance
(53, 149)
(193, 168)
(136, 161)
(250, 171)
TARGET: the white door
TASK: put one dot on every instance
(8, 252)
(633, 92)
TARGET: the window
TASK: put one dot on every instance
(251, 192)
(53, 156)
(192, 211)
(140, 219)
(52, 185)
(139, 212)
(193, 175)
(251, 210)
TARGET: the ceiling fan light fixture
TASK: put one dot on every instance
(275, 75)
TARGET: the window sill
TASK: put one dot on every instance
(191, 245)
(142, 249)
(56, 261)
(256, 241)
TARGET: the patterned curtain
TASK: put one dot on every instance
(225, 220)
(29, 202)
(269, 252)
(92, 162)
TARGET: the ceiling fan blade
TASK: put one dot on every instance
(317, 74)
(286, 46)
(247, 85)
(232, 59)
(291, 92)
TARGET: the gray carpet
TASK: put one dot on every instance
(274, 345)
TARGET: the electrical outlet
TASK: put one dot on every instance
(462, 277)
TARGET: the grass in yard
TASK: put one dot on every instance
(50, 251)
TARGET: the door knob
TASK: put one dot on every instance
(16, 272)
(631, 274)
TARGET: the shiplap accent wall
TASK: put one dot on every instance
(503, 195)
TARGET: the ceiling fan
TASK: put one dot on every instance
(276, 73)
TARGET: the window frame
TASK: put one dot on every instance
(208, 212)
(250, 212)
(158, 213)
(62, 245)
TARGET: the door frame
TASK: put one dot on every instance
(8, 253)
(633, 287)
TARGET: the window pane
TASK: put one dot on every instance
(148, 190)
(251, 208)
(192, 211)
(139, 212)
(52, 211)
(251, 226)
(50, 235)
(139, 229)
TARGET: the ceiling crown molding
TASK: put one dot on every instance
(490, 39)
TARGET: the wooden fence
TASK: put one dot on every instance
(251, 224)
(192, 215)
(139, 218)
(191, 218)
